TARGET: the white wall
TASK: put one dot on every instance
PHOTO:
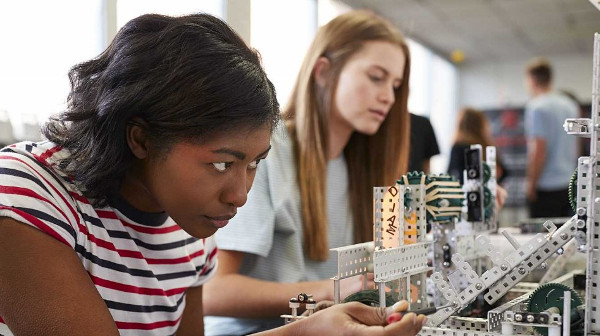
(493, 85)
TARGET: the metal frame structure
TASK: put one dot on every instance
(393, 260)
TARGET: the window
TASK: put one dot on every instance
(282, 39)
(38, 49)
(129, 9)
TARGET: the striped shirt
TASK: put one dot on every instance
(141, 263)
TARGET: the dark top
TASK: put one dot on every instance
(423, 144)
(456, 166)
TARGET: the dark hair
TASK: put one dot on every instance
(186, 78)
(540, 71)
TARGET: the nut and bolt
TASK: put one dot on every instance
(518, 317)
(530, 318)
(580, 223)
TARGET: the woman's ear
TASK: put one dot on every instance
(321, 71)
(136, 138)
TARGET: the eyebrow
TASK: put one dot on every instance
(239, 155)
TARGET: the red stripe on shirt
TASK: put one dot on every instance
(151, 230)
(138, 228)
(73, 212)
(38, 223)
(48, 153)
(30, 193)
(80, 198)
(107, 214)
(176, 260)
(208, 260)
(147, 326)
(134, 289)
(137, 254)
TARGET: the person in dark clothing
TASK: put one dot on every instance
(423, 144)
(473, 128)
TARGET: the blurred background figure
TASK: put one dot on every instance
(423, 144)
(551, 152)
(473, 128)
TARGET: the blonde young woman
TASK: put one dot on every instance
(346, 131)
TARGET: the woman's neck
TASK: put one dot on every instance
(339, 135)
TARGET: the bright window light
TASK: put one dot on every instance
(40, 42)
(129, 9)
(282, 32)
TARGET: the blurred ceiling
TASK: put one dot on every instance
(494, 30)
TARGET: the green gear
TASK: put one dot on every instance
(414, 178)
(551, 295)
(370, 297)
(573, 191)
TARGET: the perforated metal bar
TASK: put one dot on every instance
(451, 297)
(428, 331)
(467, 323)
(592, 295)
(388, 215)
(539, 255)
(496, 315)
(391, 264)
(353, 259)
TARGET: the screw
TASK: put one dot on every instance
(544, 265)
(581, 211)
(518, 317)
(479, 286)
(580, 223)
(564, 236)
(503, 267)
(446, 264)
(445, 247)
(560, 251)
(521, 271)
(530, 318)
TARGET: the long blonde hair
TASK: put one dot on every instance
(375, 160)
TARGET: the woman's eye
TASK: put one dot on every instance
(254, 164)
(221, 166)
(375, 78)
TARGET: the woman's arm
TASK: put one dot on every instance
(192, 321)
(232, 294)
(44, 289)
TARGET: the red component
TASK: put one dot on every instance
(394, 317)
